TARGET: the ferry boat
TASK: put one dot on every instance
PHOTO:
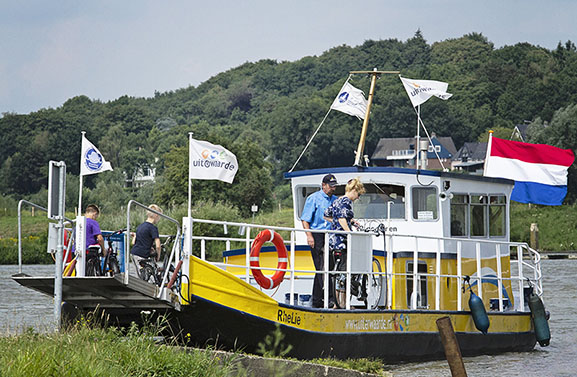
(436, 240)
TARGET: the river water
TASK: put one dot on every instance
(22, 308)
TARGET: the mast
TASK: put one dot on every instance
(374, 74)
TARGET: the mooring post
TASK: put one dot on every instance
(534, 236)
(451, 346)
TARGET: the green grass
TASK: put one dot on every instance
(87, 350)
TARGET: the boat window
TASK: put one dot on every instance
(422, 299)
(425, 203)
(497, 210)
(478, 215)
(301, 194)
(459, 208)
(373, 204)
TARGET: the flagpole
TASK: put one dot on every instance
(374, 74)
(80, 180)
(418, 143)
(488, 151)
(189, 180)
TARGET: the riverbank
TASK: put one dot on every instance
(87, 349)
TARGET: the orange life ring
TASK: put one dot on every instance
(268, 235)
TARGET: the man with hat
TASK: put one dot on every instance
(312, 218)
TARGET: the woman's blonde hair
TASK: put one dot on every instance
(355, 184)
(150, 214)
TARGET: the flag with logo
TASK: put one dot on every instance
(91, 160)
(539, 170)
(420, 91)
(351, 100)
(209, 161)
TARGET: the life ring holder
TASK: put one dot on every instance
(267, 282)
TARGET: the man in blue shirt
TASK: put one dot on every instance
(312, 218)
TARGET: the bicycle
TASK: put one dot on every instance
(93, 263)
(111, 264)
(150, 271)
(367, 288)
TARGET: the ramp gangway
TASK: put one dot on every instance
(102, 291)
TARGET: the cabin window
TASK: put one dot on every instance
(497, 210)
(478, 215)
(425, 203)
(301, 194)
(422, 299)
(373, 204)
(459, 209)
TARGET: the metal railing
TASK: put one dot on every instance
(534, 271)
(20, 203)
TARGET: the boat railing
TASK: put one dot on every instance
(23, 202)
(528, 269)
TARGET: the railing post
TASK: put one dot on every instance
(348, 285)
(293, 248)
(479, 272)
(459, 276)
(499, 276)
(438, 277)
(415, 274)
(521, 290)
(247, 254)
(390, 273)
(203, 249)
(326, 277)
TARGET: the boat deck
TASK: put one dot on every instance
(99, 291)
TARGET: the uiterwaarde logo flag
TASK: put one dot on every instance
(539, 170)
(209, 161)
(91, 160)
(419, 91)
(351, 100)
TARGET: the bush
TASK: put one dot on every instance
(88, 350)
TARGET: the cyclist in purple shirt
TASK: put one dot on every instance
(93, 233)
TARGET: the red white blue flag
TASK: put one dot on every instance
(539, 170)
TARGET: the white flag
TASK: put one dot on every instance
(420, 91)
(351, 101)
(91, 160)
(209, 161)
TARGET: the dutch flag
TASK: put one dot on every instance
(539, 170)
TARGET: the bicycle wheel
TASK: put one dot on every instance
(374, 286)
(93, 267)
(113, 267)
(147, 274)
(339, 285)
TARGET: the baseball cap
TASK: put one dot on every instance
(330, 180)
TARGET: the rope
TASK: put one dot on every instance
(314, 134)
(431, 141)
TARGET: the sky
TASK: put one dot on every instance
(51, 51)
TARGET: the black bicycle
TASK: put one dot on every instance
(367, 288)
(93, 261)
(150, 271)
(111, 265)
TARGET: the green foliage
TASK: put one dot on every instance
(273, 346)
(85, 349)
(362, 365)
(557, 225)
(266, 111)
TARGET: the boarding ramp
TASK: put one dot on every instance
(120, 291)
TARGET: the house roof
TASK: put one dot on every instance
(386, 146)
(473, 151)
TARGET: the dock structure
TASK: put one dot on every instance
(101, 291)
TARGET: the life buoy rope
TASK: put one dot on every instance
(267, 282)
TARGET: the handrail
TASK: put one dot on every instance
(388, 271)
(22, 201)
